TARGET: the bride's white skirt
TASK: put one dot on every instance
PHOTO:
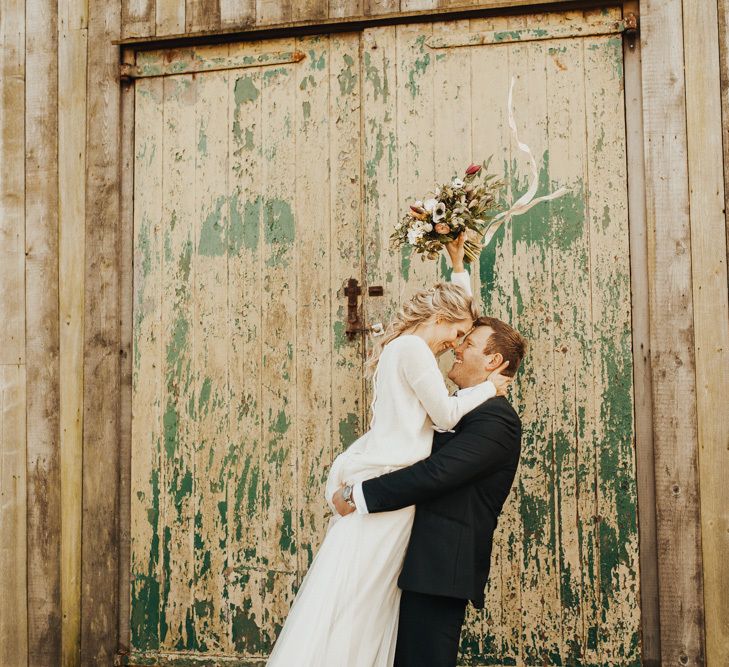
(346, 610)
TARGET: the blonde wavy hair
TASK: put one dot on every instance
(449, 301)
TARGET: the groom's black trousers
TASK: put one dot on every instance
(429, 630)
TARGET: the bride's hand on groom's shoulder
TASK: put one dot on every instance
(501, 382)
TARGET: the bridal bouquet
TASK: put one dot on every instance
(465, 204)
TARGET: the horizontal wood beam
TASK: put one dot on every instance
(354, 23)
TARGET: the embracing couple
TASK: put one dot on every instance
(415, 511)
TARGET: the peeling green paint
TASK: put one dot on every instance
(212, 231)
(347, 78)
(419, 68)
(245, 90)
(348, 430)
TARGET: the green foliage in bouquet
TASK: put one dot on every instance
(465, 204)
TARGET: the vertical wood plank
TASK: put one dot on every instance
(375, 7)
(13, 551)
(711, 312)
(245, 530)
(313, 294)
(672, 338)
(420, 137)
(500, 622)
(210, 335)
(202, 15)
(541, 622)
(147, 434)
(572, 375)
(345, 8)
(617, 531)
(137, 18)
(169, 17)
(645, 473)
(237, 13)
(72, 99)
(42, 313)
(278, 367)
(346, 233)
(380, 188)
(12, 149)
(180, 229)
(15, 547)
(309, 10)
(273, 11)
(99, 539)
(126, 350)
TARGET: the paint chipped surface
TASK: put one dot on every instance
(250, 215)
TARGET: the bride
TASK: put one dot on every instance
(346, 611)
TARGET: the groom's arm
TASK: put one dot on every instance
(485, 444)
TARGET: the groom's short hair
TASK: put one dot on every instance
(505, 340)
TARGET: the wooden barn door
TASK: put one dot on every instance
(564, 579)
(247, 223)
(263, 181)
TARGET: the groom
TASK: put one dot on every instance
(459, 491)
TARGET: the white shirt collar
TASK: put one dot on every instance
(465, 391)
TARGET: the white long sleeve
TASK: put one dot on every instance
(462, 279)
(424, 377)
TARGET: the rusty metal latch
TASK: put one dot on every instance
(355, 325)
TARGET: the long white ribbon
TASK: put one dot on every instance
(527, 200)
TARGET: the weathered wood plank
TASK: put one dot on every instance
(170, 17)
(672, 344)
(72, 99)
(617, 531)
(202, 15)
(41, 315)
(13, 507)
(374, 7)
(237, 12)
(313, 294)
(280, 250)
(126, 351)
(210, 356)
(345, 8)
(500, 622)
(420, 136)
(246, 570)
(147, 389)
(12, 186)
(273, 11)
(180, 229)
(572, 376)
(345, 224)
(99, 538)
(541, 612)
(138, 18)
(380, 189)
(309, 10)
(711, 312)
(645, 473)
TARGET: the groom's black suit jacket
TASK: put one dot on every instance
(459, 491)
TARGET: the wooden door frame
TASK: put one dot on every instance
(649, 382)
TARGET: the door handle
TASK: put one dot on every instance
(355, 325)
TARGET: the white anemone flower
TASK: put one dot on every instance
(429, 204)
(414, 235)
(457, 183)
(439, 211)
